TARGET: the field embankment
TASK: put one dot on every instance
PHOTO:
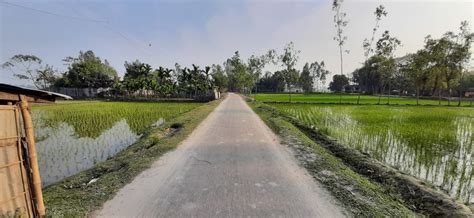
(357, 194)
(354, 99)
(86, 191)
(414, 193)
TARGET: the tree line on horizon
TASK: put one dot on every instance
(439, 68)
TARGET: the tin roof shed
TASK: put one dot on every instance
(11, 93)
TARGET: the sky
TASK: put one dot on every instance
(206, 32)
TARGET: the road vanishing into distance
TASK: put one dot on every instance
(232, 165)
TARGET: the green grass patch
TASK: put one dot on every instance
(352, 99)
(73, 197)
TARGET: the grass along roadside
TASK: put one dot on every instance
(413, 193)
(85, 192)
(357, 194)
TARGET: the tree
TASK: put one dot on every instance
(385, 48)
(340, 23)
(29, 67)
(239, 77)
(273, 82)
(138, 76)
(136, 69)
(288, 59)
(448, 57)
(369, 76)
(306, 79)
(367, 44)
(338, 83)
(162, 82)
(458, 55)
(318, 71)
(466, 81)
(256, 64)
(46, 76)
(88, 70)
(219, 77)
(195, 81)
(418, 71)
(311, 74)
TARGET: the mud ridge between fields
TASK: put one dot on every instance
(417, 196)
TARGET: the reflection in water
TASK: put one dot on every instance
(62, 154)
(405, 141)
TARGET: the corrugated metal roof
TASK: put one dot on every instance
(27, 91)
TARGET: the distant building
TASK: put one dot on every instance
(469, 92)
(293, 89)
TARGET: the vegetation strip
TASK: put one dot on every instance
(85, 192)
(356, 193)
(414, 192)
(327, 98)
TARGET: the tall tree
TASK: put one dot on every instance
(369, 76)
(306, 79)
(340, 23)
(288, 59)
(449, 56)
(255, 64)
(311, 74)
(318, 72)
(219, 77)
(162, 82)
(29, 67)
(465, 82)
(338, 83)
(418, 71)
(138, 77)
(385, 48)
(367, 44)
(88, 70)
(137, 69)
(237, 71)
(46, 76)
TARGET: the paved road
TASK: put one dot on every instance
(232, 165)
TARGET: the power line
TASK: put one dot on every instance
(52, 13)
(109, 27)
(105, 23)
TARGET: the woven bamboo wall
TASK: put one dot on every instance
(15, 198)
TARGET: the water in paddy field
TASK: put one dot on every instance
(61, 153)
(440, 152)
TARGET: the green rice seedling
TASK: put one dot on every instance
(90, 119)
(352, 99)
(72, 137)
(431, 143)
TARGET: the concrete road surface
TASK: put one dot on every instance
(232, 165)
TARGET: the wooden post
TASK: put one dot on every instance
(30, 139)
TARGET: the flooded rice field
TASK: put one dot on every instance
(74, 137)
(432, 143)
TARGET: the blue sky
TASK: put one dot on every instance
(208, 32)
